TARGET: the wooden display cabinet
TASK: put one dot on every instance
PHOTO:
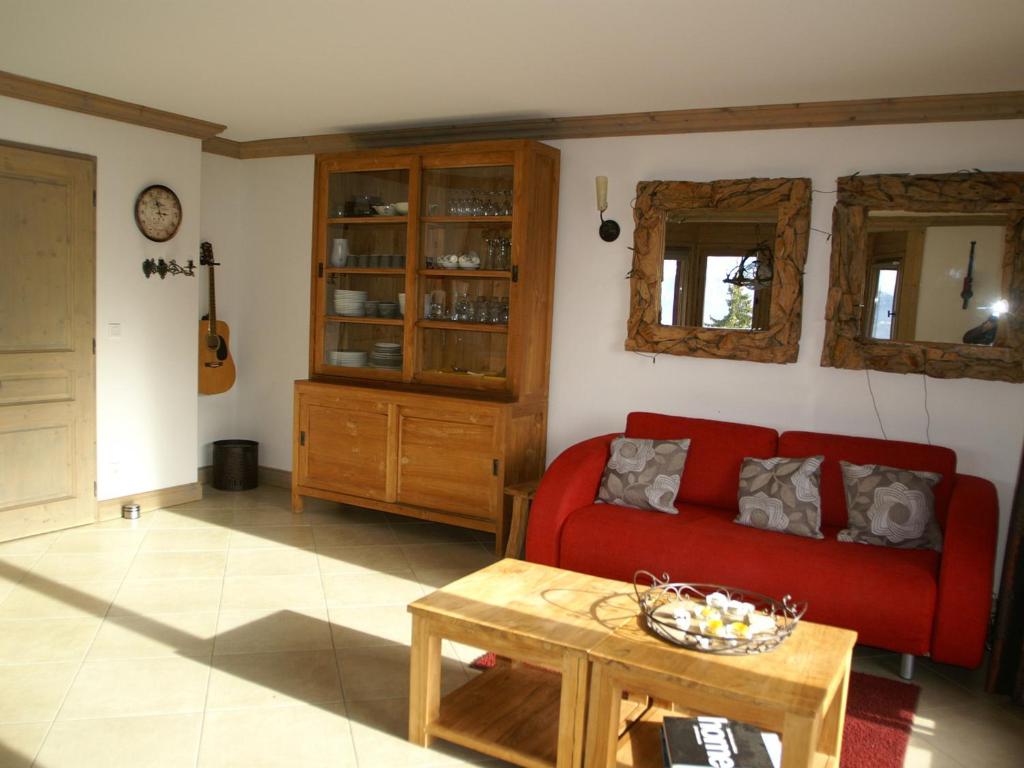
(430, 412)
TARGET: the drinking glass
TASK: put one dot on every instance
(436, 308)
(503, 254)
(482, 310)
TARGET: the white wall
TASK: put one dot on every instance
(146, 379)
(594, 382)
(259, 216)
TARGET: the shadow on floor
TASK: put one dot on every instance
(241, 664)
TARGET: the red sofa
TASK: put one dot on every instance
(915, 602)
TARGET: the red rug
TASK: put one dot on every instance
(879, 714)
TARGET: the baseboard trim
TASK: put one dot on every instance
(108, 509)
(276, 478)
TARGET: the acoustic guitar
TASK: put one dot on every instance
(216, 368)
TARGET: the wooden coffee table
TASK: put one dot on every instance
(578, 648)
(531, 711)
(797, 690)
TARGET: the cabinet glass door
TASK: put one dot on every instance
(365, 258)
(465, 264)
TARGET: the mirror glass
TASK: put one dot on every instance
(935, 277)
(701, 251)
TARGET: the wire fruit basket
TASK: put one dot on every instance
(712, 618)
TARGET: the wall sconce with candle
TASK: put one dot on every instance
(609, 230)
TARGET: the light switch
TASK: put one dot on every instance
(114, 330)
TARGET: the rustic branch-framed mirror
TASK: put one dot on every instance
(718, 268)
(927, 275)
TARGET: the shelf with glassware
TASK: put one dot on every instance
(450, 231)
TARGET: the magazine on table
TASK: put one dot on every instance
(717, 742)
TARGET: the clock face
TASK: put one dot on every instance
(158, 212)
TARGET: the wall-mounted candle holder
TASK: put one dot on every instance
(609, 230)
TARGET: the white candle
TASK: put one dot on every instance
(602, 193)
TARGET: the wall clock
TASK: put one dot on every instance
(158, 212)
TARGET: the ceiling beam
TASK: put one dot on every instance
(53, 95)
(1004, 105)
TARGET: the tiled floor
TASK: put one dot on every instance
(229, 632)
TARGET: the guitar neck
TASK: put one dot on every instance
(213, 301)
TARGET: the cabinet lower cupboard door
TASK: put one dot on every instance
(346, 449)
(449, 465)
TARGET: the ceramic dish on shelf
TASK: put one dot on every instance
(469, 261)
(347, 358)
(401, 208)
(384, 210)
(447, 261)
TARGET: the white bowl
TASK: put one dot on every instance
(385, 210)
(401, 208)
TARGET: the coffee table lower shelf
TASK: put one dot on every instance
(640, 745)
(509, 712)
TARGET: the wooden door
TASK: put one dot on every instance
(47, 363)
(346, 446)
(450, 461)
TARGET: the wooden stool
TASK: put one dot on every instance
(522, 494)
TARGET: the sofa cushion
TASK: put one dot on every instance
(868, 450)
(890, 507)
(643, 473)
(886, 595)
(781, 494)
(717, 448)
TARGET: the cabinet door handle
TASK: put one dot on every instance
(302, 438)
(494, 467)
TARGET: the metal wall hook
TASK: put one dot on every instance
(164, 268)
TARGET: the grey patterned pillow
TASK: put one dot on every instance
(644, 473)
(890, 507)
(781, 495)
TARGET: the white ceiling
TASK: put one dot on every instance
(272, 68)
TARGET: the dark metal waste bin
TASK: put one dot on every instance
(235, 464)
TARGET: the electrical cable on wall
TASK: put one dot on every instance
(927, 413)
(867, 373)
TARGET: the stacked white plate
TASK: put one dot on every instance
(347, 358)
(350, 303)
(386, 354)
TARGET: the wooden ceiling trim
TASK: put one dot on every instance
(1004, 105)
(1001, 105)
(221, 146)
(54, 95)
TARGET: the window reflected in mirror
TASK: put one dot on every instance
(934, 277)
(717, 271)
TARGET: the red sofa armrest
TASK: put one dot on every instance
(965, 573)
(569, 483)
